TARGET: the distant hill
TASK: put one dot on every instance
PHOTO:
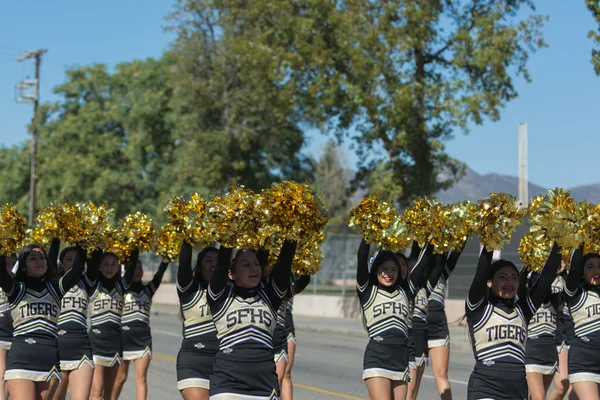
(474, 186)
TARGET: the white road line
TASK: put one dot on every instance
(451, 380)
(166, 333)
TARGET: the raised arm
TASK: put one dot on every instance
(362, 271)
(263, 258)
(522, 292)
(54, 252)
(478, 289)
(439, 266)
(6, 281)
(158, 276)
(218, 282)
(72, 276)
(283, 271)
(130, 268)
(542, 287)
(416, 274)
(93, 266)
(185, 275)
(573, 281)
(298, 285)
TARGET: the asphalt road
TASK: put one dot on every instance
(327, 366)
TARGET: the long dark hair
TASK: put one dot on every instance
(237, 255)
(498, 265)
(21, 274)
(198, 269)
(585, 259)
(61, 258)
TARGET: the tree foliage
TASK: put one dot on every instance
(400, 76)
(594, 7)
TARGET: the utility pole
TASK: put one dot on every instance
(523, 180)
(25, 95)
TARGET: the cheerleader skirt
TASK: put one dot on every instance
(583, 361)
(107, 345)
(137, 341)
(244, 374)
(280, 345)
(34, 359)
(438, 334)
(412, 362)
(541, 355)
(195, 364)
(497, 381)
(6, 332)
(421, 346)
(74, 349)
(290, 330)
(389, 360)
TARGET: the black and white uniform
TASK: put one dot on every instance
(421, 301)
(135, 321)
(106, 309)
(566, 331)
(290, 329)
(541, 353)
(245, 320)
(280, 337)
(386, 314)
(35, 307)
(438, 334)
(498, 333)
(73, 340)
(6, 322)
(199, 346)
(584, 303)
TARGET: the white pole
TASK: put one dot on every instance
(523, 180)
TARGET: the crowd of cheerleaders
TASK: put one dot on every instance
(235, 330)
(238, 330)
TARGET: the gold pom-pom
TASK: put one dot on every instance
(397, 237)
(373, 219)
(498, 218)
(12, 230)
(168, 243)
(290, 210)
(590, 222)
(46, 226)
(557, 217)
(231, 219)
(177, 210)
(308, 257)
(534, 250)
(187, 217)
(136, 231)
(84, 224)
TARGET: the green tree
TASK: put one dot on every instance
(594, 7)
(332, 180)
(401, 76)
(14, 176)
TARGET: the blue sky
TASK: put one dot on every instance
(559, 106)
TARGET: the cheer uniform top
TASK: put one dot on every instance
(541, 353)
(290, 329)
(280, 337)
(438, 334)
(498, 333)
(566, 332)
(584, 303)
(135, 321)
(35, 307)
(6, 323)
(199, 346)
(106, 309)
(245, 320)
(386, 314)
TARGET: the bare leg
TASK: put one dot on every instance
(535, 383)
(586, 390)
(195, 394)
(21, 389)
(98, 383)
(280, 368)
(379, 388)
(141, 375)
(61, 390)
(123, 370)
(110, 377)
(440, 357)
(3, 388)
(399, 389)
(46, 390)
(287, 389)
(415, 382)
(81, 382)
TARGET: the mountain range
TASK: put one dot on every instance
(473, 186)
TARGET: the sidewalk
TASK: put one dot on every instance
(334, 326)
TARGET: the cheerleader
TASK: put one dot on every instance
(564, 335)
(420, 325)
(498, 325)
(199, 346)
(6, 326)
(106, 308)
(76, 361)
(385, 304)
(135, 330)
(541, 355)
(438, 334)
(33, 365)
(245, 317)
(582, 289)
(280, 339)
